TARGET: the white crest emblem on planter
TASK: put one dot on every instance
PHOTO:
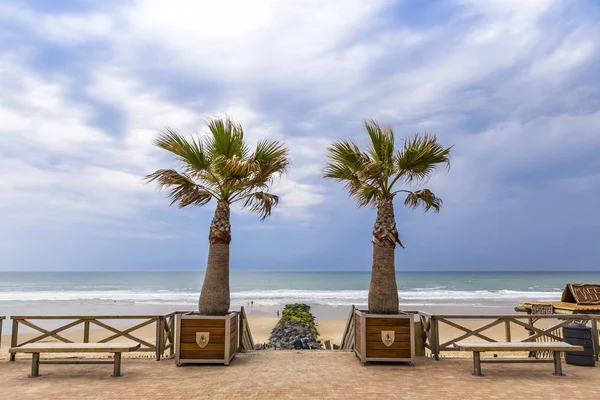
(202, 338)
(388, 337)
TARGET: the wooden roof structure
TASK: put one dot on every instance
(577, 298)
(581, 294)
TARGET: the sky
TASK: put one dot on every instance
(85, 86)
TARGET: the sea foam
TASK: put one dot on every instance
(283, 296)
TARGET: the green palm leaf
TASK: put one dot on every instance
(420, 156)
(190, 153)
(381, 148)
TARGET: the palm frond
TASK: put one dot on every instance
(367, 195)
(261, 203)
(381, 147)
(190, 152)
(270, 159)
(226, 139)
(425, 198)
(235, 168)
(348, 165)
(345, 153)
(420, 157)
(268, 150)
(183, 189)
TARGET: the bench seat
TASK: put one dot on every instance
(478, 347)
(36, 348)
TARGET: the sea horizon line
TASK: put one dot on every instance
(301, 271)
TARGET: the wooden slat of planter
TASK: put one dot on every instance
(211, 330)
(202, 355)
(232, 346)
(382, 346)
(203, 323)
(388, 353)
(210, 346)
(376, 337)
(396, 329)
(233, 342)
(388, 321)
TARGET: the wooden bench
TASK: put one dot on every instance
(477, 347)
(36, 348)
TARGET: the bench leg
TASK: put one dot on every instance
(35, 365)
(117, 365)
(557, 364)
(476, 364)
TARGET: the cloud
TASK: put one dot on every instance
(511, 84)
(61, 169)
(69, 29)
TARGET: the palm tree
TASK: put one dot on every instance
(371, 177)
(220, 166)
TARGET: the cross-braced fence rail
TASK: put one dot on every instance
(431, 328)
(104, 327)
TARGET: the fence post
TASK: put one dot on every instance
(13, 337)
(596, 338)
(436, 338)
(159, 337)
(507, 330)
(172, 335)
(86, 331)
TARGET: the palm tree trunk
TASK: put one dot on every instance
(214, 297)
(383, 291)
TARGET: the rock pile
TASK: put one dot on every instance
(296, 322)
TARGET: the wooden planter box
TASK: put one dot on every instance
(201, 339)
(398, 332)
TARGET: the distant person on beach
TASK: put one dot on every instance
(277, 313)
(252, 303)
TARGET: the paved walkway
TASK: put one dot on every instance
(298, 375)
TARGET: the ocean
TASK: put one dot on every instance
(93, 292)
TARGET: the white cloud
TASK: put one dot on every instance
(575, 50)
(60, 169)
(66, 29)
(283, 42)
(285, 69)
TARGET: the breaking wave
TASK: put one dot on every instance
(436, 295)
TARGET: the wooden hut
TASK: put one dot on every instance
(577, 298)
